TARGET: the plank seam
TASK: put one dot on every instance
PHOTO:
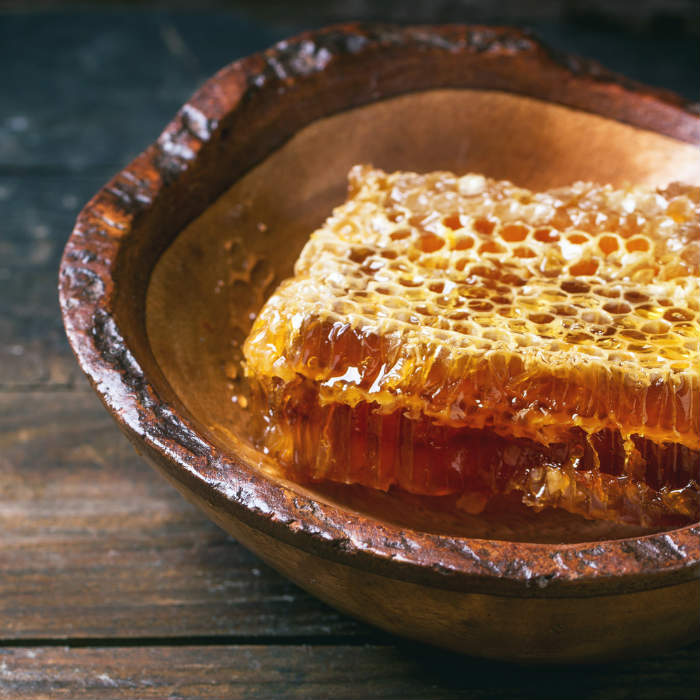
(201, 640)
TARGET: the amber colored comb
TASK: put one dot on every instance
(461, 335)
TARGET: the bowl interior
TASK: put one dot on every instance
(207, 287)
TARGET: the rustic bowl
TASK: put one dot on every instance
(170, 260)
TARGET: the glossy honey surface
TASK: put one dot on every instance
(464, 335)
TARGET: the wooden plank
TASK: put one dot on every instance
(297, 671)
(36, 216)
(110, 81)
(109, 84)
(95, 544)
(34, 352)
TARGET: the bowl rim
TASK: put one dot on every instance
(159, 426)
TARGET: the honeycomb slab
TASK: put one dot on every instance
(462, 335)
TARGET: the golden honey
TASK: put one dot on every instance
(447, 334)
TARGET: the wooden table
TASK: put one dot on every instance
(110, 584)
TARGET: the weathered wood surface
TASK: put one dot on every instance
(96, 551)
(36, 216)
(305, 671)
(95, 544)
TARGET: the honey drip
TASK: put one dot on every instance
(597, 476)
(449, 335)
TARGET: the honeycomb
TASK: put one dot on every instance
(448, 334)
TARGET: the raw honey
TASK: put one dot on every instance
(460, 335)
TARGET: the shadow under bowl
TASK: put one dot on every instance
(170, 261)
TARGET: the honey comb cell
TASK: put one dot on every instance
(461, 335)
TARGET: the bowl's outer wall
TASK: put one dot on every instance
(233, 122)
(532, 630)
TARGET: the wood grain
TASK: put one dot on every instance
(300, 671)
(37, 213)
(94, 544)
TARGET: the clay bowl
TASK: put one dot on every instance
(169, 261)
